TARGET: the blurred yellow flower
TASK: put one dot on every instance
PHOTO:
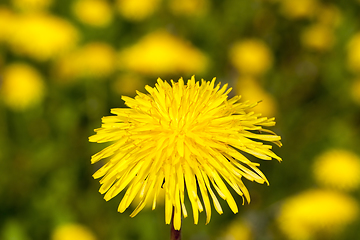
(189, 7)
(295, 9)
(72, 232)
(31, 5)
(353, 53)
(237, 230)
(182, 135)
(161, 53)
(96, 13)
(128, 83)
(7, 21)
(318, 37)
(316, 213)
(22, 86)
(329, 15)
(93, 60)
(339, 169)
(137, 10)
(251, 57)
(251, 90)
(355, 90)
(42, 36)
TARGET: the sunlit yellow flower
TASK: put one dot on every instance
(189, 7)
(180, 137)
(339, 169)
(161, 53)
(318, 37)
(22, 86)
(251, 90)
(237, 230)
(353, 52)
(95, 13)
(93, 60)
(31, 5)
(137, 10)
(7, 21)
(251, 56)
(128, 83)
(299, 8)
(316, 213)
(355, 90)
(72, 232)
(42, 36)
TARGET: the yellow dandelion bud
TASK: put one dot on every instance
(182, 137)
(72, 232)
(251, 57)
(339, 169)
(31, 5)
(316, 213)
(42, 36)
(318, 37)
(251, 90)
(161, 53)
(22, 86)
(353, 53)
(94, 60)
(189, 7)
(96, 13)
(299, 8)
(137, 10)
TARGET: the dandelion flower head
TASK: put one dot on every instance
(353, 53)
(338, 169)
(137, 10)
(314, 212)
(318, 37)
(22, 86)
(42, 36)
(96, 13)
(161, 53)
(72, 231)
(182, 137)
(299, 9)
(251, 57)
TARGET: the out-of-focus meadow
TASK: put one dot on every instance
(65, 64)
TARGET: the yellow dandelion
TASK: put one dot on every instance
(316, 213)
(72, 231)
(299, 8)
(22, 86)
(318, 37)
(180, 137)
(339, 169)
(94, 60)
(42, 36)
(238, 229)
(137, 10)
(96, 13)
(161, 53)
(31, 5)
(251, 57)
(353, 53)
(252, 91)
(329, 15)
(189, 7)
(7, 20)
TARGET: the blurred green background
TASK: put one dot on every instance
(65, 64)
